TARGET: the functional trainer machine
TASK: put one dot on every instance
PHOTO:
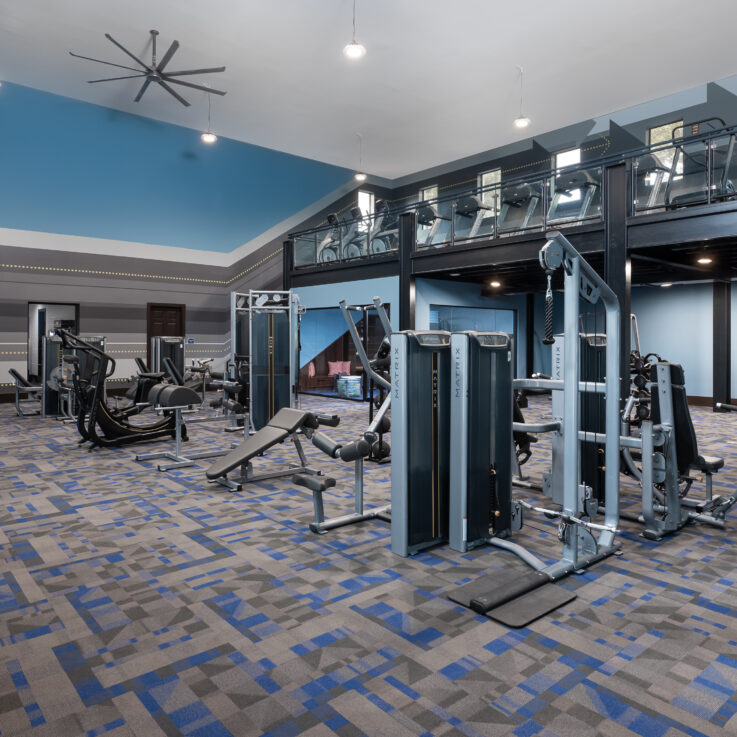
(265, 333)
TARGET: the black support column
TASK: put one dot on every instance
(407, 236)
(722, 347)
(618, 268)
(287, 251)
(530, 332)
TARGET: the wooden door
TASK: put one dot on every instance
(163, 319)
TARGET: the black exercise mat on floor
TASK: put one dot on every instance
(494, 589)
(531, 606)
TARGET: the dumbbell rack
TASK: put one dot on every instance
(179, 460)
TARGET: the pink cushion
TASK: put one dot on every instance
(334, 368)
(311, 369)
(346, 367)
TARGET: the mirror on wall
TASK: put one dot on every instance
(44, 319)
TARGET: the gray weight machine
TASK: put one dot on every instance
(264, 329)
(356, 451)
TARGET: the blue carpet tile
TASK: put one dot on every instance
(134, 602)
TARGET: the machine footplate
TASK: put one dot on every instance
(512, 598)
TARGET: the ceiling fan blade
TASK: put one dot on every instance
(173, 92)
(167, 56)
(193, 86)
(195, 71)
(124, 50)
(113, 79)
(144, 87)
(100, 61)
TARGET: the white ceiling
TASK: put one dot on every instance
(439, 81)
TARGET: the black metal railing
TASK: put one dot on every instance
(699, 168)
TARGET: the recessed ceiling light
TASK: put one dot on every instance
(359, 176)
(666, 284)
(495, 284)
(208, 137)
(704, 260)
(454, 273)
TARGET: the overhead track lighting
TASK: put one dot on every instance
(521, 121)
(354, 50)
(208, 136)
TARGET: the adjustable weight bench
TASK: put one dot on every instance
(284, 424)
(23, 386)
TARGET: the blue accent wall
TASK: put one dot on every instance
(74, 168)
(318, 329)
(466, 294)
(353, 292)
(676, 323)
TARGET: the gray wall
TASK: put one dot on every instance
(113, 291)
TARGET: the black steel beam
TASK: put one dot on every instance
(498, 252)
(407, 238)
(530, 332)
(617, 267)
(722, 348)
(687, 225)
(287, 251)
(332, 273)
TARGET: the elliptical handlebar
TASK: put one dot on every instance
(69, 340)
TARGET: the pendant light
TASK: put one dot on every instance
(521, 121)
(354, 50)
(208, 136)
(360, 176)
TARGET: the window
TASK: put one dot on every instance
(366, 202)
(568, 158)
(661, 134)
(429, 193)
(487, 180)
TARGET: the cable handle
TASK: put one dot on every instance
(549, 339)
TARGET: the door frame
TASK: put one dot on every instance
(182, 309)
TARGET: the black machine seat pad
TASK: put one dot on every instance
(152, 375)
(708, 464)
(264, 439)
(20, 379)
(291, 419)
(312, 482)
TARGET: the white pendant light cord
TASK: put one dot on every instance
(521, 90)
(354, 22)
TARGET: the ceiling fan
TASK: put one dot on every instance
(154, 72)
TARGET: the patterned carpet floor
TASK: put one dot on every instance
(135, 602)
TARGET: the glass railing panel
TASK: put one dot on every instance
(305, 250)
(724, 168)
(650, 175)
(575, 195)
(521, 207)
(434, 221)
(329, 245)
(474, 216)
(383, 235)
(688, 181)
(355, 239)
